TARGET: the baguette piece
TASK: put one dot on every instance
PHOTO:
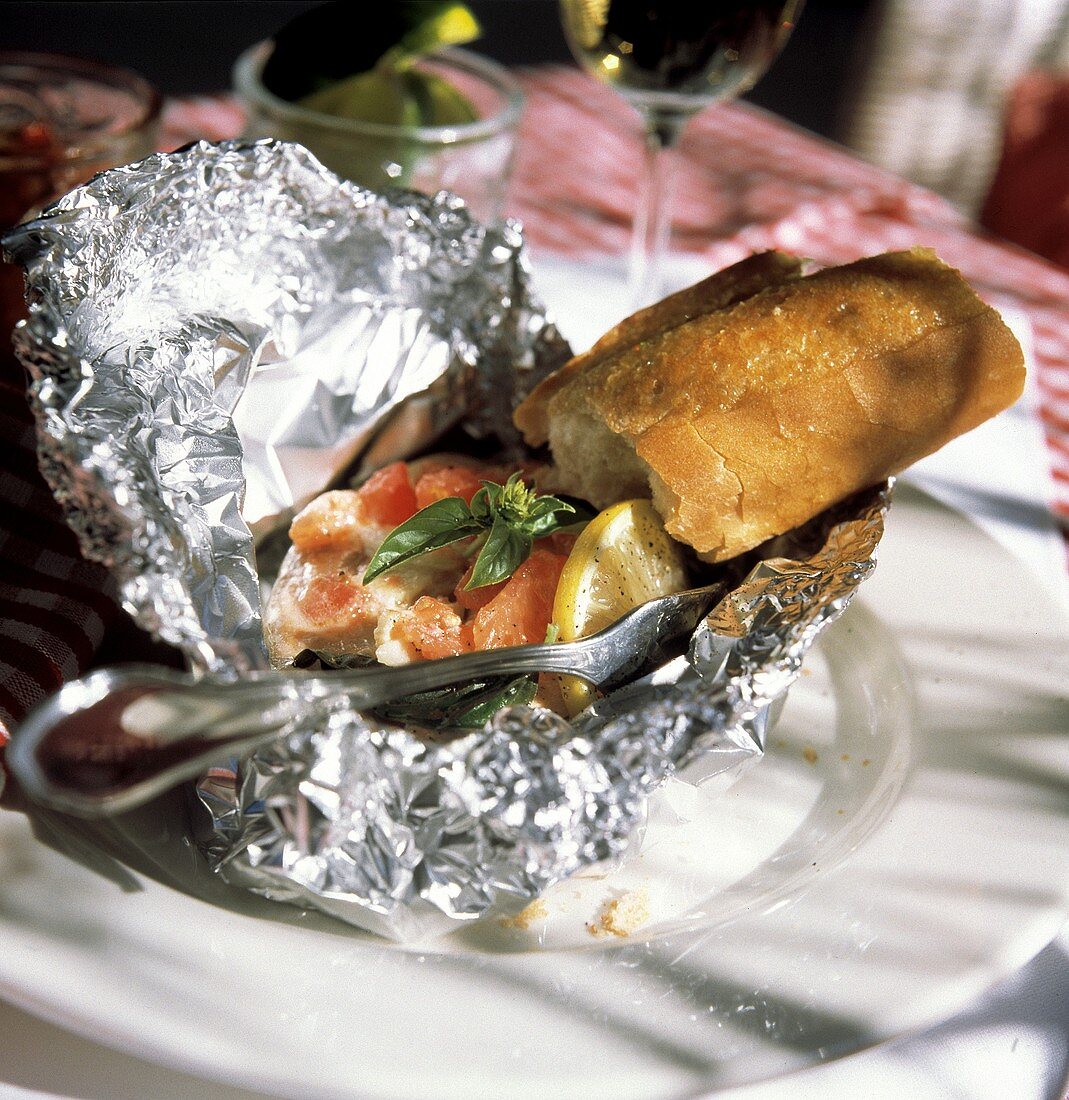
(718, 291)
(744, 420)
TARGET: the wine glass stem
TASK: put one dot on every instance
(653, 216)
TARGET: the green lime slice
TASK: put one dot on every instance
(395, 93)
(380, 96)
(389, 97)
(445, 25)
(440, 103)
(405, 100)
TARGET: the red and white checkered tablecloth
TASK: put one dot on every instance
(745, 181)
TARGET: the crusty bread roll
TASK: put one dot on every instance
(749, 403)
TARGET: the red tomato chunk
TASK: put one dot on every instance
(447, 481)
(388, 495)
(521, 611)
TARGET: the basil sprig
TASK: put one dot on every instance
(462, 707)
(507, 518)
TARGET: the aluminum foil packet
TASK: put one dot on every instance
(218, 334)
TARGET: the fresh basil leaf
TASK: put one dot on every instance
(467, 707)
(517, 693)
(511, 516)
(504, 551)
(482, 504)
(583, 513)
(545, 505)
(439, 524)
(546, 525)
(550, 520)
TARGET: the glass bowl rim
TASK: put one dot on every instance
(246, 82)
(148, 98)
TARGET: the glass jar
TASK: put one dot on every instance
(471, 159)
(62, 120)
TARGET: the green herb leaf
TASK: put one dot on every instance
(505, 550)
(555, 515)
(516, 693)
(482, 508)
(439, 524)
(511, 516)
(468, 707)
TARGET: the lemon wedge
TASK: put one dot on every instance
(623, 558)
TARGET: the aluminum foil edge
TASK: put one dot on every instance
(213, 336)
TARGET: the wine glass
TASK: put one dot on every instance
(671, 58)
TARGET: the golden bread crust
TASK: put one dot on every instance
(718, 291)
(749, 420)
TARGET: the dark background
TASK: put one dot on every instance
(189, 47)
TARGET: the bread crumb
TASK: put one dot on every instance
(810, 754)
(622, 915)
(527, 916)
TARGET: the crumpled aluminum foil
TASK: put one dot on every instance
(200, 323)
(216, 335)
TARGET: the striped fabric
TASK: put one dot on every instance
(745, 181)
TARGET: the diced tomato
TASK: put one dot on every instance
(328, 595)
(434, 629)
(474, 598)
(388, 495)
(447, 481)
(331, 521)
(521, 611)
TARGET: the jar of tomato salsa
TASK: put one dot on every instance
(62, 120)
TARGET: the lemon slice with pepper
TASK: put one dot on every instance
(623, 558)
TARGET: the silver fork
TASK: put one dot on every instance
(120, 736)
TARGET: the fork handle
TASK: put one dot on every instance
(120, 736)
(117, 737)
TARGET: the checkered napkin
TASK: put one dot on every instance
(744, 181)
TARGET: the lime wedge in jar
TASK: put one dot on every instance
(396, 93)
(442, 24)
(394, 97)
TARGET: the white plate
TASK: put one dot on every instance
(904, 845)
